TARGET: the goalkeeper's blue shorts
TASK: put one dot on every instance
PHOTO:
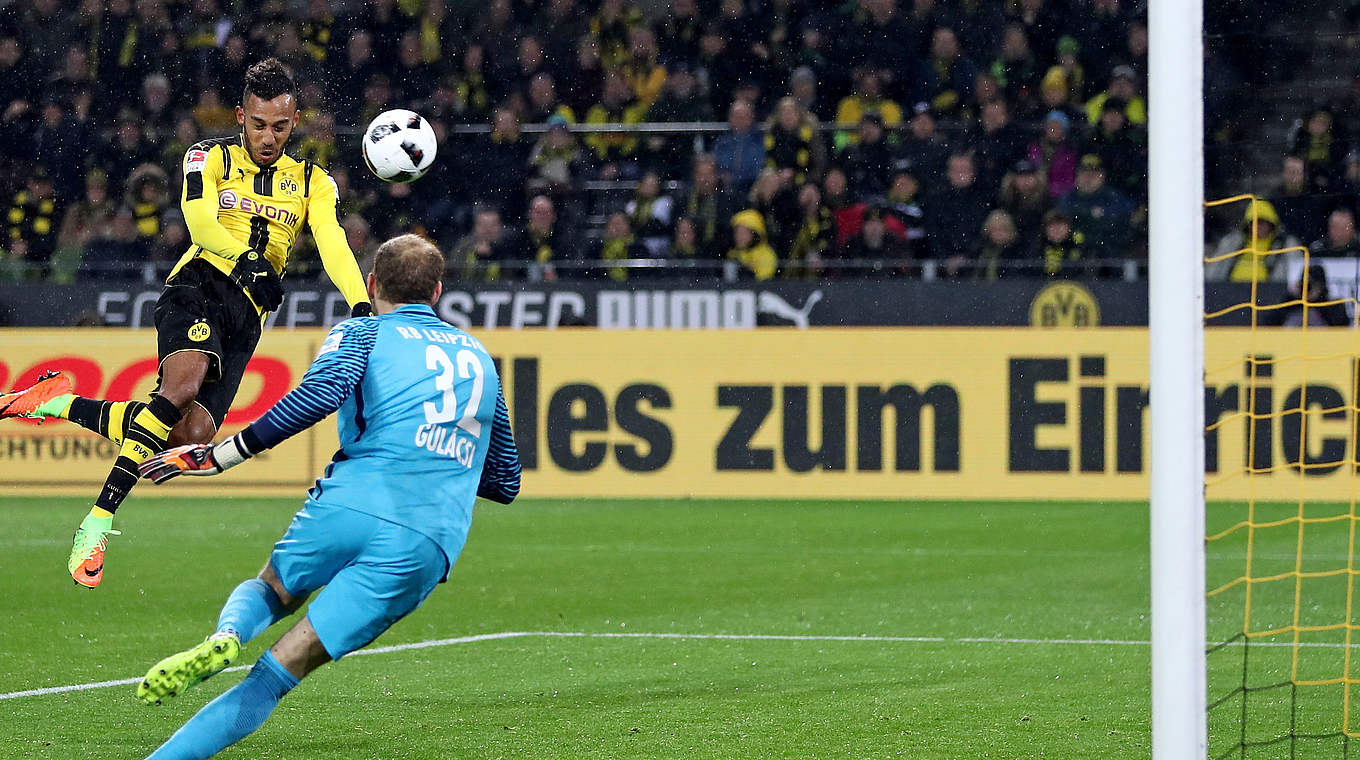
(374, 572)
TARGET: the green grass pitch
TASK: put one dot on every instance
(977, 630)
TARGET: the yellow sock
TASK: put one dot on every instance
(117, 424)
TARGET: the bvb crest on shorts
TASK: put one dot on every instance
(199, 331)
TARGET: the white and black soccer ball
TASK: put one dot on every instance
(399, 145)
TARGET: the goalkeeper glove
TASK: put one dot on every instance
(195, 459)
(361, 309)
(256, 275)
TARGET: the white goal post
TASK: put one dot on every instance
(1176, 356)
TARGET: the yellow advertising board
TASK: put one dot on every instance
(929, 413)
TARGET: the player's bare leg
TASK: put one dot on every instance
(182, 374)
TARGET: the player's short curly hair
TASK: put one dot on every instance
(408, 268)
(267, 80)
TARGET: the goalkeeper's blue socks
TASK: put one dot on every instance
(252, 607)
(231, 717)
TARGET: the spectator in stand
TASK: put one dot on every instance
(815, 239)
(869, 161)
(556, 161)
(707, 204)
(739, 152)
(346, 81)
(86, 218)
(925, 149)
(1101, 213)
(318, 140)
(1340, 240)
(875, 242)
(1322, 143)
(957, 212)
(213, 118)
(1122, 148)
(148, 196)
(642, 67)
(803, 90)
(542, 241)
(1061, 247)
(906, 205)
(1301, 210)
(115, 254)
(793, 142)
(128, 149)
(31, 223)
(1056, 94)
(1016, 68)
(999, 145)
(61, 144)
(1000, 252)
(1069, 64)
(717, 68)
(680, 101)
(649, 214)
(750, 250)
(774, 196)
(1024, 196)
(543, 103)
(474, 91)
(500, 163)
(866, 98)
(1259, 234)
(614, 151)
(480, 254)
(414, 78)
(173, 150)
(1123, 86)
(618, 243)
(173, 239)
(948, 76)
(685, 243)
(1056, 155)
(611, 26)
(1042, 23)
(679, 31)
(360, 237)
(1324, 308)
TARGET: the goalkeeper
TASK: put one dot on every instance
(245, 202)
(423, 432)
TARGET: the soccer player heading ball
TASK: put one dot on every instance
(245, 202)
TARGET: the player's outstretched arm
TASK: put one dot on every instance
(330, 380)
(195, 459)
(332, 244)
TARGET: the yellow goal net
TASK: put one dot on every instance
(1281, 427)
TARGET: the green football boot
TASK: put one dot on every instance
(174, 674)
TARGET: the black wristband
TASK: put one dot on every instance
(362, 309)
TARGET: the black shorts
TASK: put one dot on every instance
(202, 310)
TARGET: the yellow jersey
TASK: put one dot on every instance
(231, 205)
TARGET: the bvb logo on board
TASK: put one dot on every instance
(1064, 304)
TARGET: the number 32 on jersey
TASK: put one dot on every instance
(435, 435)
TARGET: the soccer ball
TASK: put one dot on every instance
(399, 146)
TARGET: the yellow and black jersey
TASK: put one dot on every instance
(231, 205)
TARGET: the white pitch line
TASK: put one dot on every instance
(679, 636)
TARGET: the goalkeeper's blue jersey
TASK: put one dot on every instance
(423, 423)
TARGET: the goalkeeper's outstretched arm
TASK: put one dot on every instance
(330, 380)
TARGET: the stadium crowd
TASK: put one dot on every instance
(981, 138)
